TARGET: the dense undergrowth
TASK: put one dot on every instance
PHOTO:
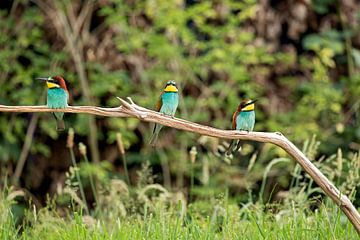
(223, 221)
(147, 210)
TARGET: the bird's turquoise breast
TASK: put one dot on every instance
(245, 121)
(57, 98)
(170, 101)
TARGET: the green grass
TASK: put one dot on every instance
(148, 210)
(224, 222)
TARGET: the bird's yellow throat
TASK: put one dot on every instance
(52, 85)
(170, 88)
(250, 107)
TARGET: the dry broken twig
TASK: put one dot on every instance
(130, 109)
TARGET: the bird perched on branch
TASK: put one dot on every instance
(57, 97)
(243, 119)
(167, 104)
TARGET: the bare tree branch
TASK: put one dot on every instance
(130, 109)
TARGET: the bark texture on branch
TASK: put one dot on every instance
(130, 109)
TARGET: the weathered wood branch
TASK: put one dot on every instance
(130, 109)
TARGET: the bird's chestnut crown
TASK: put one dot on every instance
(54, 82)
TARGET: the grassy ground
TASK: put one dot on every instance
(147, 210)
(224, 221)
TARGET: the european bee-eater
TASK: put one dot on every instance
(57, 97)
(243, 119)
(167, 104)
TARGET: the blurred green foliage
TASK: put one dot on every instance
(212, 50)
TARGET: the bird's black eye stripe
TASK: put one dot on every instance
(52, 81)
(247, 104)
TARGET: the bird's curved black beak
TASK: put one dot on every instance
(249, 103)
(42, 79)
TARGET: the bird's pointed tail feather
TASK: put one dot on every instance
(238, 147)
(155, 134)
(60, 125)
(231, 148)
(153, 139)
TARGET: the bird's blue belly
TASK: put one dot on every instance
(245, 121)
(57, 98)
